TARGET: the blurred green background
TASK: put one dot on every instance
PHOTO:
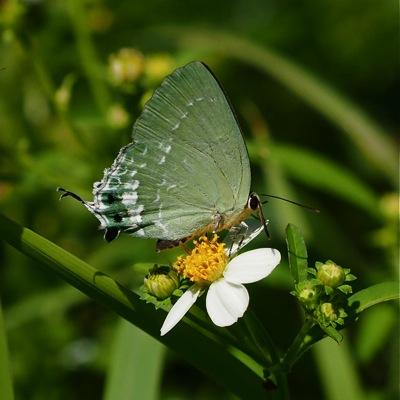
(314, 85)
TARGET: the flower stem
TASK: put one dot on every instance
(268, 350)
(293, 352)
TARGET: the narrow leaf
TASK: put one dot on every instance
(372, 295)
(374, 330)
(136, 365)
(297, 253)
(302, 165)
(337, 371)
(6, 389)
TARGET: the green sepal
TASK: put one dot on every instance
(340, 321)
(346, 289)
(350, 277)
(318, 265)
(328, 290)
(311, 271)
(165, 304)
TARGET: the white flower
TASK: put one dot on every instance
(227, 299)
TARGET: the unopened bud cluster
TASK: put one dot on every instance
(324, 295)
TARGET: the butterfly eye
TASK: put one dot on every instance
(253, 202)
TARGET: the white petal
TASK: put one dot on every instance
(180, 308)
(252, 266)
(226, 302)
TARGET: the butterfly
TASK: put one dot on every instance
(187, 170)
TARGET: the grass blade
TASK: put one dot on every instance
(302, 164)
(337, 371)
(374, 332)
(6, 389)
(136, 365)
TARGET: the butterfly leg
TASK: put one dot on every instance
(263, 221)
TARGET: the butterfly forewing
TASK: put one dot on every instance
(187, 163)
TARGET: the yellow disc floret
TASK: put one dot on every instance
(205, 263)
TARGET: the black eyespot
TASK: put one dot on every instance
(117, 218)
(253, 202)
(111, 198)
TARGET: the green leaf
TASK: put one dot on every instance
(346, 289)
(302, 164)
(372, 295)
(297, 253)
(136, 365)
(332, 332)
(374, 329)
(337, 371)
(203, 349)
(6, 389)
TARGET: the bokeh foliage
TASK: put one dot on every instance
(314, 86)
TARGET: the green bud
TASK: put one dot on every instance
(161, 282)
(308, 293)
(331, 274)
(328, 312)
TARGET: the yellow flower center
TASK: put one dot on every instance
(205, 263)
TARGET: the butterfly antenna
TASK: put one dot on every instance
(66, 193)
(316, 210)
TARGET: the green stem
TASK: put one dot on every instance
(293, 353)
(268, 350)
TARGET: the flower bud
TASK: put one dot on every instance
(331, 274)
(308, 293)
(161, 282)
(328, 312)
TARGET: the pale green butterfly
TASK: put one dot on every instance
(187, 170)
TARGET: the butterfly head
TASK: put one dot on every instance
(253, 201)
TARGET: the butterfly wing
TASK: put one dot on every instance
(187, 163)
